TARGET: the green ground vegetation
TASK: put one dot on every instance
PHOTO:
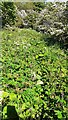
(34, 76)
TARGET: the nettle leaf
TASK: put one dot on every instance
(5, 112)
(27, 113)
(41, 55)
(23, 106)
(21, 115)
(12, 96)
(43, 62)
(37, 56)
(5, 94)
(59, 114)
(33, 115)
(9, 75)
(38, 77)
(48, 92)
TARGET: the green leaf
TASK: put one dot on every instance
(23, 106)
(5, 94)
(12, 96)
(5, 112)
(38, 77)
(59, 114)
(37, 56)
(41, 55)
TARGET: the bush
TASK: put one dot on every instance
(18, 21)
(24, 5)
(53, 20)
(8, 13)
(31, 19)
(39, 6)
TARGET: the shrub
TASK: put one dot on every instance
(39, 6)
(18, 21)
(24, 5)
(8, 13)
(53, 20)
(31, 19)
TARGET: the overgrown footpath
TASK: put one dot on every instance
(34, 76)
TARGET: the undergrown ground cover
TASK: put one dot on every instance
(34, 76)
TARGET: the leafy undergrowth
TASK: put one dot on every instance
(34, 76)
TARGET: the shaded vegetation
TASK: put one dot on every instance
(8, 13)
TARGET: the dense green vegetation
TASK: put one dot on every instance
(8, 13)
(34, 76)
(34, 60)
(38, 6)
(50, 18)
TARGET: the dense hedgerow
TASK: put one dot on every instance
(34, 76)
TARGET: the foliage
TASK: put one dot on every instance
(18, 21)
(24, 5)
(50, 18)
(34, 76)
(65, 14)
(60, 27)
(31, 19)
(32, 10)
(39, 6)
(53, 19)
(8, 13)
